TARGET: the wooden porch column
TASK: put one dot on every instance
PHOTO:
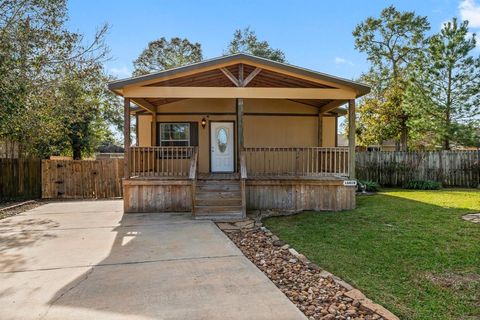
(126, 138)
(154, 129)
(351, 138)
(320, 129)
(240, 140)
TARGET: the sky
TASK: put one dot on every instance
(313, 34)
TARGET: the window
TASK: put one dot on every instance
(174, 134)
(222, 138)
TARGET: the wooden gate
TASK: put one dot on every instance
(82, 179)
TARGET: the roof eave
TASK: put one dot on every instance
(117, 85)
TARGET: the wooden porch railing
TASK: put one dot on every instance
(243, 178)
(311, 161)
(193, 177)
(162, 161)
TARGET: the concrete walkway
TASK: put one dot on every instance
(86, 260)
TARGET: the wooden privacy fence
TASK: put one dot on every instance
(82, 179)
(451, 168)
(20, 179)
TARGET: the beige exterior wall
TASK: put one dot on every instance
(280, 131)
(329, 132)
(144, 130)
(299, 130)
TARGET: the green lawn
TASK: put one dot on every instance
(407, 250)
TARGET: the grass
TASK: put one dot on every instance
(407, 250)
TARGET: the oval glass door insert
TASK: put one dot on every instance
(222, 138)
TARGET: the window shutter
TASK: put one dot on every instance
(194, 134)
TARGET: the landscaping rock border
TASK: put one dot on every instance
(316, 292)
(17, 208)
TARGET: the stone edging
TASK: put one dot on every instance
(351, 292)
(18, 205)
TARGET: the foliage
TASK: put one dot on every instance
(52, 85)
(407, 250)
(162, 54)
(423, 185)
(391, 43)
(445, 91)
(368, 186)
(246, 41)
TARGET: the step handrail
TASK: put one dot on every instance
(243, 178)
(193, 165)
(193, 177)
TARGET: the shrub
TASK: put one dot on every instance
(423, 185)
(369, 186)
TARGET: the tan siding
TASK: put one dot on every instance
(280, 131)
(329, 132)
(144, 130)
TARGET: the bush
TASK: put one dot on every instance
(423, 185)
(369, 186)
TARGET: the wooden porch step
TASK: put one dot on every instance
(218, 200)
(209, 209)
(218, 194)
(218, 187)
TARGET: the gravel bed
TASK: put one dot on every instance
(5, 213)
(316, 295)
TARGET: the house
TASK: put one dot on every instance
(237, 133)
(387, 145)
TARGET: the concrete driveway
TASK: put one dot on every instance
(86, 260)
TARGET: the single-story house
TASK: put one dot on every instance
(237, 133)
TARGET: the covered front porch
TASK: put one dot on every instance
(238, 133)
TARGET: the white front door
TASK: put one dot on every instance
(222, 146)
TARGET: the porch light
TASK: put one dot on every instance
(204, 122)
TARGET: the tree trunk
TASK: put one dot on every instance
(77, 152)
(446, 139)
(446, 143)
(403, 135)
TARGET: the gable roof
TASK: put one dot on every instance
(361, 89)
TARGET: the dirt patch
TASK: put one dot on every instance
(472, 217)
(455, 281)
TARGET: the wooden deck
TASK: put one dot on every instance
(278, 193)
(288, 179)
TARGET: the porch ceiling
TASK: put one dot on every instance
(216, 78)
(324, 106)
